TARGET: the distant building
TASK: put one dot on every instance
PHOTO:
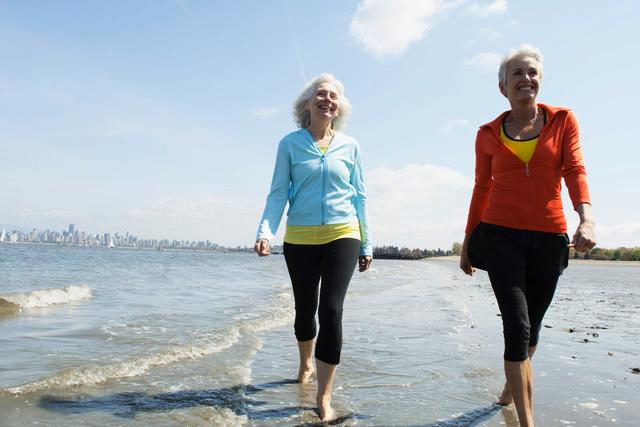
(72, 228)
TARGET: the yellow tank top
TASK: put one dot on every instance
(523, 149)
(321, 234)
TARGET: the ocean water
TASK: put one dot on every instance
(97, 337)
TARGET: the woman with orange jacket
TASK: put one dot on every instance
(516, 229)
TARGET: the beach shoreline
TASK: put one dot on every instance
(456, 258)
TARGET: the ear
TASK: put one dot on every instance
(502, 89)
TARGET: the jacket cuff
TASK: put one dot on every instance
(366, 250)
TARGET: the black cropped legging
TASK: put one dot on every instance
(332, 263)
(524, 267)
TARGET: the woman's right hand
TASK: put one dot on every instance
(465, 263)
(262, 247)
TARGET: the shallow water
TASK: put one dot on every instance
(114, 337)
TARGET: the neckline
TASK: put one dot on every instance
(503, 127)
(313, 142)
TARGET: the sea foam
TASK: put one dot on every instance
(46, 297)
(92, 375)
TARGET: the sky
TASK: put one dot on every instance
(162, 117)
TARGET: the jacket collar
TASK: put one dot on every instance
(337, 139)
(551, 111)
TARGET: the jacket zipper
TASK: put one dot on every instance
(323, 170)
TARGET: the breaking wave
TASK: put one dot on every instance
(45, 297)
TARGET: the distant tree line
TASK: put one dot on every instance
(602, 254)
(393, 252)
(598, 254)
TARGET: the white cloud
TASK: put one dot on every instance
(484, 60)
(421, 206)
(498, 6)
(388, 27)
(225, 222)
(265, 113)
(617, 235)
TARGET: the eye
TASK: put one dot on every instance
(334, 96)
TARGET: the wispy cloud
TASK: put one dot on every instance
(298, 52)
(418, 205)
(497, 6)
(265, 113)
(484, 60)
(387, 28)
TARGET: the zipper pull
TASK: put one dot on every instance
(526, 169)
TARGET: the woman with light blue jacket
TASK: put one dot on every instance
(319, 173)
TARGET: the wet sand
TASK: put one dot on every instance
(587, 365)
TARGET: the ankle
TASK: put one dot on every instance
(324, 399)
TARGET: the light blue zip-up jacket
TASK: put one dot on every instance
(320, 188)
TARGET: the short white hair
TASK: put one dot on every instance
(524, 51)
(302, 116)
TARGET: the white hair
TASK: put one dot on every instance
(302, 116)
(524, 51)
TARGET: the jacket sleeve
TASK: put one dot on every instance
(573, 170)
(278, 194)
(482, 187)
(360, 201)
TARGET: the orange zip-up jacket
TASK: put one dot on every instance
(528, 197)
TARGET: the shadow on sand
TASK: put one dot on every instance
(238, 399)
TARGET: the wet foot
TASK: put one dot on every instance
(305, 375)
(325, 411)
(505, 397)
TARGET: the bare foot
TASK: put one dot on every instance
(505, 397)
(325, 411)
(305, 375)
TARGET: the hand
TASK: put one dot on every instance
(262, 247)
(364, 262)
(585, 237)
(465, 263)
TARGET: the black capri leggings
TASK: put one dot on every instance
(333, 263)
(524, 267)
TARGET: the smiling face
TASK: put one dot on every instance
(522, 81)
(324, 104)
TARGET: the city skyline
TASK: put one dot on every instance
(163, 118)
(77, 237)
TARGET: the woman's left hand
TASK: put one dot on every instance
(585, 237)
(364, 262)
